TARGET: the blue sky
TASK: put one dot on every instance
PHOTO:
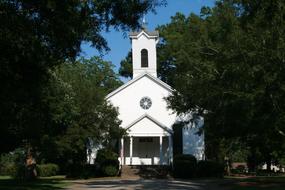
(119, 43)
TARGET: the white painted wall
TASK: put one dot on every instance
(128, 103)
(147, 127)
(148, 43)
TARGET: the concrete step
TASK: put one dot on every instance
(147, 172)
(130, 172)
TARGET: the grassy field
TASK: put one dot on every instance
(48, 183)
(256, 183)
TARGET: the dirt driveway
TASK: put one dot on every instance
(137, 184)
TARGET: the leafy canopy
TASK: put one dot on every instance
(228, 64)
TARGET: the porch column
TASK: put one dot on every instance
(160, 150)
(122, 151)
(131, 150)
(170, 149)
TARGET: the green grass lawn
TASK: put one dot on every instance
(257, 183)
(48, 183)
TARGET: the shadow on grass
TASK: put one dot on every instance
(38, 184)
(257, 183)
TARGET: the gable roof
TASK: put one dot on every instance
(156, 80)
(149, 34)
(153, 120)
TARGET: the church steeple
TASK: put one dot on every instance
(144, 51)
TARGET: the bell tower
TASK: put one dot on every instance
(144, 51)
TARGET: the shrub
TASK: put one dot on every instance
(110, 170)
(207, 168)
(108, 162)
(47, 170)
(13, 163)
(240, 169)
(184, 166)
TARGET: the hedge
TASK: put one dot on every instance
(207, 168)
(186, 166)
(108, 162)
(47, 170)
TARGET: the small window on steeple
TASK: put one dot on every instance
(144, 58)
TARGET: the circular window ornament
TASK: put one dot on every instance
(145, 103)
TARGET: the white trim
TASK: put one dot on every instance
(156, 80)
(147, 34)
(152, 119)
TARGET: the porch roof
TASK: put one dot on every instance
(159, 124)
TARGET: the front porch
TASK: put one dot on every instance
(146, 150)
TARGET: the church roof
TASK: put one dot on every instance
(152, 119)
(154, 79)
(150, 34)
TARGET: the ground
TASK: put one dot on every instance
(228, 183)
(154, 184)
(47, 183)
(264, 183)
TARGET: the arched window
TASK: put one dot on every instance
(144, 58)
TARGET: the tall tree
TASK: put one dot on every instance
(229, 64)
(37, 35)
(78, 111)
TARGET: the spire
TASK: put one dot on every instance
(144, 23)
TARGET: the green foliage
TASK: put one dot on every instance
(126, 66)
(229, 66)
(207, 168)
(108, 162)
(13, 164)
(110, 170)
(51, 32)
(177, 139)
(78, 112)
(184, 166)
(51, 183)
(240, 169)
(47, 170)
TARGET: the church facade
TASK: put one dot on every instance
(144, 112)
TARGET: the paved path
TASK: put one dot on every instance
(137, 184)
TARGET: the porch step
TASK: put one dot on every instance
(146, 172)
(130, 172)
(155, 172)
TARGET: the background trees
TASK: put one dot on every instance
(38, 35)
(229, 65)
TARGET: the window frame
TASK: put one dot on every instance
(144, 58)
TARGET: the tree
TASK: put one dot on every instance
(78, 111)
(35, 36)
(229, 65)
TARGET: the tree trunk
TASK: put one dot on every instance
(31, 172)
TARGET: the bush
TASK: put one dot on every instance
(207, 168)
(13, 163)
(240, 169)
(184, 166)
(110, 170)
(108, 162)
(47, 170)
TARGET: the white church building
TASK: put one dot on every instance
(144, 112)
